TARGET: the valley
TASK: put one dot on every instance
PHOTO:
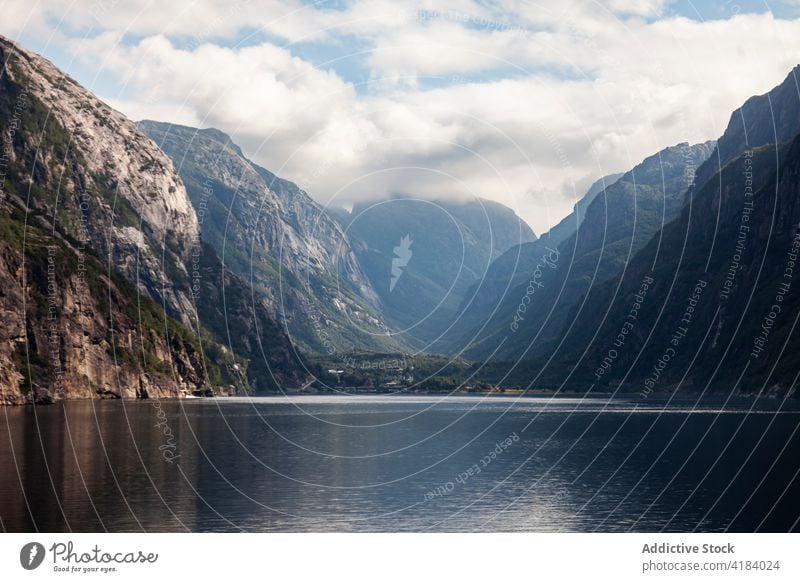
(163, 251)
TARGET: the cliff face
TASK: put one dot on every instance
(98, 175)
(71, 330)
(100, 259)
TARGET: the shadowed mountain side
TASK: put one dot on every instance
(422, 256)
(550, 280)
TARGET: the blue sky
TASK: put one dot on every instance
(525, 103)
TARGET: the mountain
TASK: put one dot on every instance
(423, 256)
(772, 118)
(100, 254)
(270, 232)
(513, 268)
(540, 282)
(117, 185)
(722, 298)
(569, 224)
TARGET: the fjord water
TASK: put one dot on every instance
(401, 463)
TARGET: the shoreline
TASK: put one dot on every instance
(539, 394)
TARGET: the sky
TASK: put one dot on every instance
(525, 103)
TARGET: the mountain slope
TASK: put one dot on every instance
(72, 330)
(114, 182)
(423, 256)
(512, 268)
(724, 296)
(274, 235)
(772, 118)
(548, 281)
(570, 224)
(722, 299)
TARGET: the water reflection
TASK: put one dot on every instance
(403, 464)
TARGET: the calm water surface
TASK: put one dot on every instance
(377, 463)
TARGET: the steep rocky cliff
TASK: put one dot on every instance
(71, 329)
(101, 256)
(92, 169)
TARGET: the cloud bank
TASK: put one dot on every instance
(522, 103)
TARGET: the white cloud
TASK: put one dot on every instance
(525, 116)
(636, 7)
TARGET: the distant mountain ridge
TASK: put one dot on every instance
(327, 272)
(423, 256)
(762, 120)
(570, 223)
(513, 267)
